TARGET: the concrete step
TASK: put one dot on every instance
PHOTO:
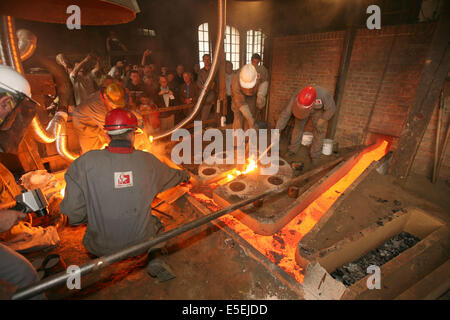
(430, 287)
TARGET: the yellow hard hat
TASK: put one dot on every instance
(115, 94)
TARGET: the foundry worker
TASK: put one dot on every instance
(16, 272)
(89, 118)
(312, 101)
(264, 86)
(112, 190)
(212, 90)
(246, 96)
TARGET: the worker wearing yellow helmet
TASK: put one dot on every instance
(89, 116)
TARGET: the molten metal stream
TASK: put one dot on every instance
(283, 253)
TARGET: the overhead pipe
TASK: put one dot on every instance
(215, 63)
(61, 144)
(13, 52)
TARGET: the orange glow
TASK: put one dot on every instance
(281, 247)
(150, 139)
(12, 39)
(251, 166)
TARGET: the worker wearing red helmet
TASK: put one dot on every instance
(312, 101)
(112, 190)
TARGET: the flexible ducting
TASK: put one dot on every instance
(215, 63)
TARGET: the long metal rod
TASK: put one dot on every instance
(212, 72)
(103, 262)
(438, 136)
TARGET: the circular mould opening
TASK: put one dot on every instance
(237, 186)
(209, 171)
(281, 162)
(275, 180)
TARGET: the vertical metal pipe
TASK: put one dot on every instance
(5, 48)
(214, 66)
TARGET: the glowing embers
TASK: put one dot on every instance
(281, 246)
(263, 218)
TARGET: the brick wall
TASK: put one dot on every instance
(383, 75)
(303, 60)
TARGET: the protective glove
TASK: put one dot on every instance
(185, 176)
(245, 110)
(262, 94)
(62, 114)
(260, 102)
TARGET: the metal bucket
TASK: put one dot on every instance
(327, 147)
(307, 138)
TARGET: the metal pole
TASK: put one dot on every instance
(105, 261)
(214, 66)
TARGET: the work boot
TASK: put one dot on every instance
(158, 268)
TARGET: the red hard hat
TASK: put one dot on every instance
(306, 97)
(119, 120)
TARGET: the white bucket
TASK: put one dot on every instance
(307, 138)
(327, 147)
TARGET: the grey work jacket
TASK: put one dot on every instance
(112, 192)
(324, 104)
(238, 98)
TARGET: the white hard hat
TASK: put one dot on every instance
(248, 76)
(13, 81)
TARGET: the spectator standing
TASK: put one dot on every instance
(83, 81)
(195, 72)
(114, 47)
(179, 74)
(211, 94)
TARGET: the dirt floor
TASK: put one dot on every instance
(211, 265)
(207, 262)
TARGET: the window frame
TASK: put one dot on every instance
(255, 44)
(232, 43)
(204, 45)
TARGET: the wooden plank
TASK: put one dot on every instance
(431, 287)
(168, 109)
(432, 79)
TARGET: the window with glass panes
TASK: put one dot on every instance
(204, 45)
(255, 44)
(232, 46)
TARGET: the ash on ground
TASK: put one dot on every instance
(356, 270)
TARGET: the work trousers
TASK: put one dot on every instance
(239, 121)
(207, 105)
(319, 130)
(17, 270)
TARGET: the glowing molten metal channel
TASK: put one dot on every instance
(280, 248)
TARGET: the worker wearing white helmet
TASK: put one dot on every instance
(245, 88)
(13, 89)
(15, 270)
(16, 108)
